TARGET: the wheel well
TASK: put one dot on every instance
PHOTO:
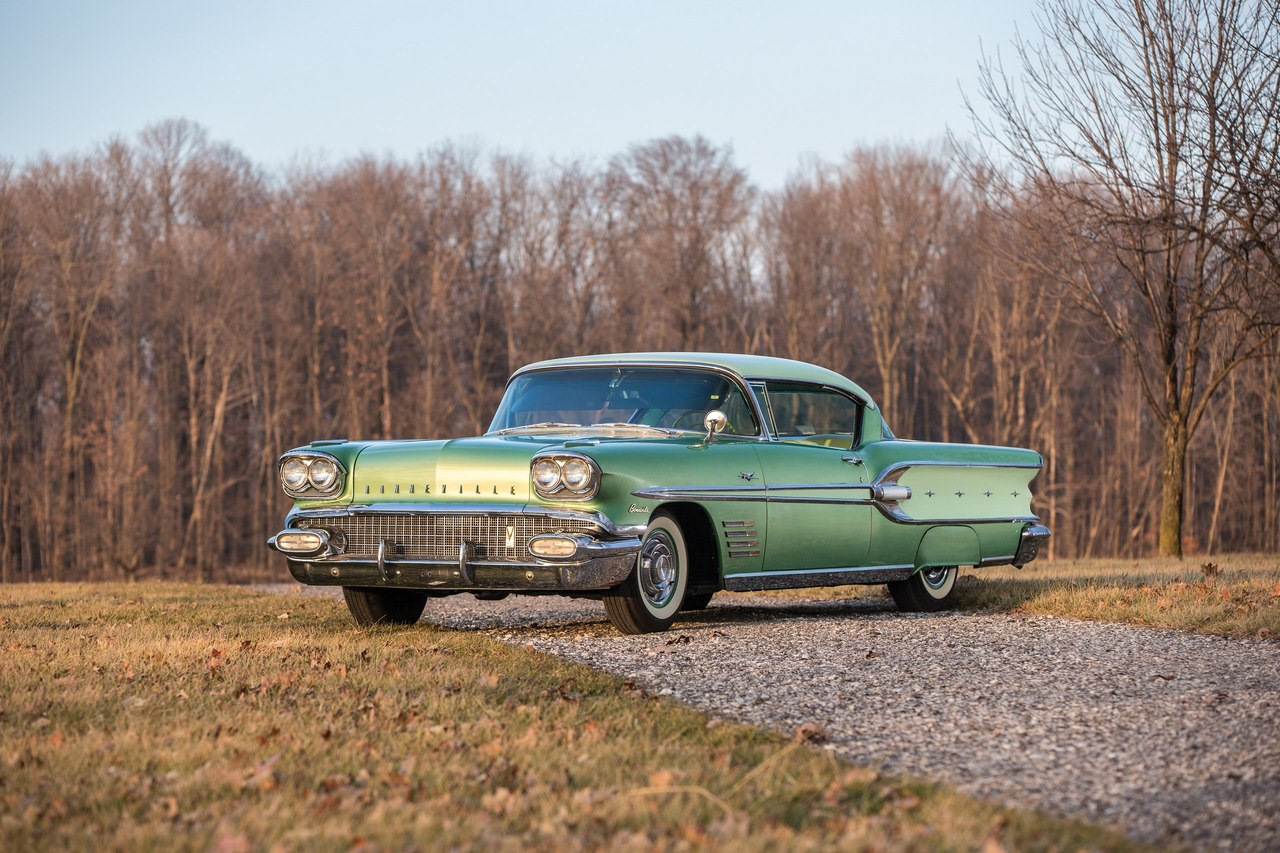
(700, 540)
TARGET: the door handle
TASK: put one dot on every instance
(852, 460)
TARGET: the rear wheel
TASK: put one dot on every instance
(926, 591)
(384, 606)
(649, 599)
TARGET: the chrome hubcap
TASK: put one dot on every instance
(658, 566)
(935, 578)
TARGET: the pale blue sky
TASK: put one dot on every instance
(777, 81)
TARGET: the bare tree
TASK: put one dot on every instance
(1118, 117)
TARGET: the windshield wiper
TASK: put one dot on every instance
(543, 425)
(620, 425)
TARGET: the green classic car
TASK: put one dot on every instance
(652, 481)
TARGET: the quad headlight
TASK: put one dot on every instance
(565, 476)
(310, 475)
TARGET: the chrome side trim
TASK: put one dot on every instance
(994, 561)
(601, 520)
(757, 494)
(890, 472)
(799, 578)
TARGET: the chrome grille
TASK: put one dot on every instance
(437, 537)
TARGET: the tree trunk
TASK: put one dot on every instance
(1173, 483)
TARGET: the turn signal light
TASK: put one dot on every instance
(300, 541)
(553, 546)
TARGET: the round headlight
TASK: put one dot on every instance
(323, 474)
(577, 474)
(293, 473)
(546, 474)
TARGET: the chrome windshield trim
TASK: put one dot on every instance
(731, 375)
(600, 519)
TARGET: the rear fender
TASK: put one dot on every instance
(952, 545)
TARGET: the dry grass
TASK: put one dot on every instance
(194, 717)
(1234, 595)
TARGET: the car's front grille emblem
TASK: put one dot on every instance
(511, 536)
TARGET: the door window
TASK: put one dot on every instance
(813, 414)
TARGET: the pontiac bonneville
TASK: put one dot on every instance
(651, 482)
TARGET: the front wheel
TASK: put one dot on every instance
(384, 606)
(649, 599)
(926, 591)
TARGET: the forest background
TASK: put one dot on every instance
(1093, 273)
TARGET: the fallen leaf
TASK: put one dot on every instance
(811, 733)
(661, 778)
(284, 615)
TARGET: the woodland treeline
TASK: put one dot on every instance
(172, 317)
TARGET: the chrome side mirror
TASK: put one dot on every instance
(715, 422)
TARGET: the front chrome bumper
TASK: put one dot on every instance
(597, 563)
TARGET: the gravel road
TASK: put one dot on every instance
(1172, 736)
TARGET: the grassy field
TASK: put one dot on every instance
(1234, 595)
(161, 716)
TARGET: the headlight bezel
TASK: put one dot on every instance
(560, 490)
(309, 489)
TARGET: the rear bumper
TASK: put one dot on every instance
(1033, 537)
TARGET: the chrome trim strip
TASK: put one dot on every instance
(731, 375)
(799, 578)
(603, 521)
(896, 467)
(824, 571)
(896, 515)
(757, 494)
(994, 561)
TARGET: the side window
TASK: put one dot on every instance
(813, 414)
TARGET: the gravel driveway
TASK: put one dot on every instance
(1170, 735)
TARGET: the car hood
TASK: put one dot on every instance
(491, 468)
(471, 469)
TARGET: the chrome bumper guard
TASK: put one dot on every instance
(1033, 536)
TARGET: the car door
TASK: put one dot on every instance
(819, 500)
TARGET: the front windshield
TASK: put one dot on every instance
(653, 398)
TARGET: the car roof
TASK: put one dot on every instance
(746, 366)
